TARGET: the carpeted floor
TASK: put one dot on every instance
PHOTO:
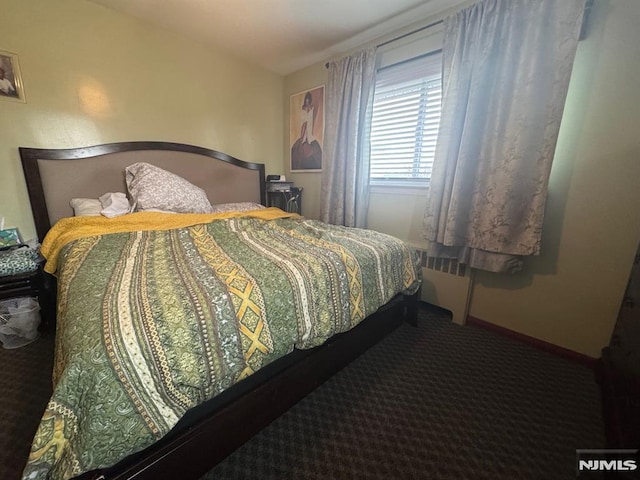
(438, 401)
(25, 387)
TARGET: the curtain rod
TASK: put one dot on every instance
(583, 31)
(404, 35)
(400, 37)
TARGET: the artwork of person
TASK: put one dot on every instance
(306, 152)
(6, 87)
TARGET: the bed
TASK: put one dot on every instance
(164, 379)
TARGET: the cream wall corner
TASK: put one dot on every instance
(93, 76)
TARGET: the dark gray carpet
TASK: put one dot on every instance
(438, 401)
(25, 388)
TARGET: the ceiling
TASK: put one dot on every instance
(281, 35)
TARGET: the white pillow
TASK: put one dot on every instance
(114, 204)
(152, 188)
(86, 207)
(235, 207)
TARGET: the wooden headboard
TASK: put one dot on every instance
(55, 176)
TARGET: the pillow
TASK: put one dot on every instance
(86, 207)
(114, 204)
(236, 207)
(151, 187)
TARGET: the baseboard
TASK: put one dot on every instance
(576, 357)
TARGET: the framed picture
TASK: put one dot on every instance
(9, 237)
(306, 130)
(10, 78)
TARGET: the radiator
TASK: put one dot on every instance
(446, 284)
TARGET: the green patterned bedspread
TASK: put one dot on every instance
(152, 323)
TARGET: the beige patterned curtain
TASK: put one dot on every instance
(506, 71)
(345, 175)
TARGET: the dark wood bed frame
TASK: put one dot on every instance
(224, 423)
(31, 158)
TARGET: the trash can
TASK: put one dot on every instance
(19, 321)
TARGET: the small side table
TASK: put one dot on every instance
(32, 284)
(288, 200)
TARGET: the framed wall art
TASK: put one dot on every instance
(10, 78)
(306, 130)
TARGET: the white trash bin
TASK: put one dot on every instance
(19, 321)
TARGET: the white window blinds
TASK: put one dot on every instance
(405, 120)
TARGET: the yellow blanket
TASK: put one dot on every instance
(72, 228)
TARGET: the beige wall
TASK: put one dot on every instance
(94, 76)
(569, 296)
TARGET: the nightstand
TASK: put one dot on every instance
(32, 284)
(289, 200)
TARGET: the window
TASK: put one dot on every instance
(405, 121)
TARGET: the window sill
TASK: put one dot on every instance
(395, 189)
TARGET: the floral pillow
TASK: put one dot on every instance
(152, 188)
